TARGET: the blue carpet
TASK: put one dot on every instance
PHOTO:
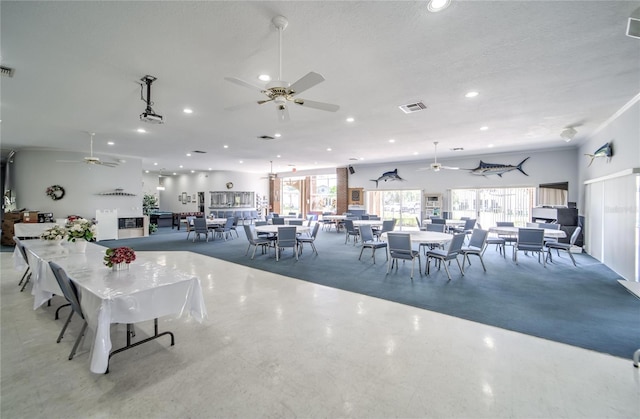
(583, 306)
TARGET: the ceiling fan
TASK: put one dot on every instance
(271, 175)
(435, 166)
(281, 92)
(91, 159)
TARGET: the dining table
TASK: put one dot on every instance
(425, 237)
(372, 223)
(513, 231)
(273, 229)
(145, 290)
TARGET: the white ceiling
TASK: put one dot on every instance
(539, 67)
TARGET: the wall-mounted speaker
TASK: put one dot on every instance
(633, 28)
(352, 170)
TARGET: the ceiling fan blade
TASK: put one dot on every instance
(69, 161)
(240, 106)
(283, 113)
(108, 164)
(450, 168)
(316, 105)
(244, 83)
(306, 82)
(260, 102)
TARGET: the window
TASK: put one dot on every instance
(401, 205)
(491, 205)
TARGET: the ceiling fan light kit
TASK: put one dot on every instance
(281, 92)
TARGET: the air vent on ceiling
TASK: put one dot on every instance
(354, 158)
(200, 151)
(457, 149)
(266, 137)
(413, 107)
(6, 71)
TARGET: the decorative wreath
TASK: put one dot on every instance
(55, 192)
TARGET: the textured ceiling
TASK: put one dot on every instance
(538, 66)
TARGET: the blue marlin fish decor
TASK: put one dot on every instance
(392, 175)
(485, 169)
(604, 151)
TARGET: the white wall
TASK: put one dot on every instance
(547, 166)
(35, 170)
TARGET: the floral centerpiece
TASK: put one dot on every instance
(81, 228)
(55, 233)
(119, 256)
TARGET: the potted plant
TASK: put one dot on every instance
(149, 204)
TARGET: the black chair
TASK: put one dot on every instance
(400, 249)
(475, 247)
(71, 294)
(564, 246)
(447, 255)
(27, 273)
(368, 242)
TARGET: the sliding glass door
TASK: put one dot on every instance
(491, 205)
(403, 205)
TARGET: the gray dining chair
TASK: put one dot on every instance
(387, 226)
(530, 240)
(451, 253)
(351, 231)
(254, 240)
(564, 246)
(71, 295)
(311, 239)
(278, 221)
(286, 238)
(199, 228)
(225, 231)
(368, 242)
(476, 246)
(189, 225)
(400, 249)
(295, 222)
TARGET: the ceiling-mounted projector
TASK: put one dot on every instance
(149, 115)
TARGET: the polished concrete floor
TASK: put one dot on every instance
(274, 346)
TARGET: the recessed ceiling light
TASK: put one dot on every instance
(110, 143)
(188, 154)
(141, 130)
(490, 146)
(484, 128)
(438, 5)
(350, 119)
(193, 171)
(174, 173)
(277, 135)
(278, 156)
(415, 153)
(187, 110)
(392, 140)
(361, 158)
(241, 162)
(471, 94)
(146, 171)
(180, 166)
(264, 77)
(225, 146)
(329, 149)
(155, 164)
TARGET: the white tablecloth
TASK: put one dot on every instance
(31, 229)
(513, 231)
(147, 290)
(269, 228)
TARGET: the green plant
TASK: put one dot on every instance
(149, 203)
(153, 228)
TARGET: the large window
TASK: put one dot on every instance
(488, 206)
(403, 205)
(310, 194)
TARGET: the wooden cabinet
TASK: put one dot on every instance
(432, 205)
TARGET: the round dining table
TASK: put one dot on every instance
(270, 228)
(428, 237)
(513, 231)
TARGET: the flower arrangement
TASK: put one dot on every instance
(81, 228)
(54, 233)
(119, 255)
